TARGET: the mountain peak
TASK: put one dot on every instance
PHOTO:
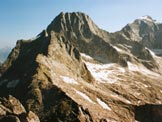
(73, 13)
(147, 18)
(75, 22)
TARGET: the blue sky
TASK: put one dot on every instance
(26, 18)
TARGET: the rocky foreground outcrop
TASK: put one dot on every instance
(75, 72)
(11, 110)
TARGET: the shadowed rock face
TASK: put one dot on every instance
(75, 72)
(148, 113)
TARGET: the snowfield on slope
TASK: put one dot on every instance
(104, 73)
(141, 69)
(108, 73)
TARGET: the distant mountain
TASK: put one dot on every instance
(4, 52)
(73, 71)
(144, 30)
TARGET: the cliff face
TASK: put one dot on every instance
(74, 71)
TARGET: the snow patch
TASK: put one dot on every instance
(152, 53)
(141, 69)
(86, 56)
(103, 72)
(129, 102)
(103, 104)
(132, 67)
(84, 96)
(139, 102)
(129, 46)
(136, 121)
(69, 80)
(157, 51)
(120, 98)
(161, 91)
(118, 49)
(12, 84)
(146, 86)
(147, 18)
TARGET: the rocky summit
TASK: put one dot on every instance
(73, 71)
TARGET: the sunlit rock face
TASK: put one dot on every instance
(74, 71)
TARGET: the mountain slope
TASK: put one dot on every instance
(74, 71)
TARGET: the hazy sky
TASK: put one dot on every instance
(26, 18)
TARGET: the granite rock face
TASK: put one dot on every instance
(74, 71)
